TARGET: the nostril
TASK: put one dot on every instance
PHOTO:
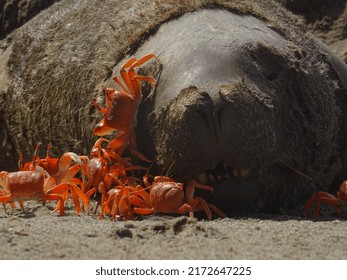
(207, 115)
(191, 117)
(206, 108)
(219, 114)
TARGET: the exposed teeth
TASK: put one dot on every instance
(243, 172)
(210, 176)
(222, 171)
(235, 172)
(202, 178)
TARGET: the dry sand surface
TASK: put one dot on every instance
(38, 234)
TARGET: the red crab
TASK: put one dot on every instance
(61, 169)
(101, 171)
(117, 203)
(37, 185)
(122, 106)
(339, 201)
(166, 196)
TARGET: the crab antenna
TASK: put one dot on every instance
(36, 151)
(34, 162)
(49, 152)
(20, 162)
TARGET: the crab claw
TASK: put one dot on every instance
(67, 159)
(102, 129)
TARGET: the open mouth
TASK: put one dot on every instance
(222, 171)
(235, 190)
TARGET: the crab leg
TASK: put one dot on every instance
(128, 76)
(140, 197)
(81, 195)
(76, 201)
(144, 211)
(133, 150)
(4, 199)
(122, 205)
(197, 204)
(61, 189)
(119, 143)
(109, 198)
(125, 74)
(116, 79)
(147, 79)
(132, 73)
(318, 197)
(219, 213)
(186, 208)
(192, 185)
(55, 197)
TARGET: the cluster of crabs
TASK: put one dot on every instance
(107, 175)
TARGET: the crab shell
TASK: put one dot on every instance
(23, 185)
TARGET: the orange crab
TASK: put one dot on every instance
(3, 193)
(122, 106)
(339, 201)
(101, 171)
(37, 185)
(61, 169)
(166, 196)
(95, 168)
(117, 203)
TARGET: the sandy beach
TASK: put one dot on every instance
(38, 234)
